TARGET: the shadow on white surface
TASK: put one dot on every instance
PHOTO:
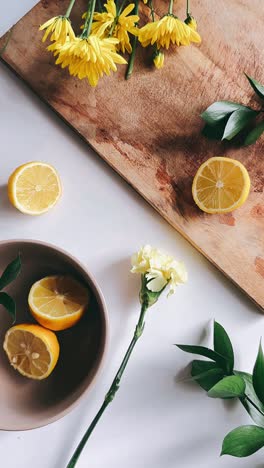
(5, 205)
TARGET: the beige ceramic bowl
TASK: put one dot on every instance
(27, 404)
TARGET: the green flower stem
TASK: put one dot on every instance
(70, 7)
(114, 387)
(187, 8)
(151, 10)
(89, 19)
(121, 7)
(171, 7)
(116, 18)
(134, 46)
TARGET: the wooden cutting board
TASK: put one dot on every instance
(148, 128)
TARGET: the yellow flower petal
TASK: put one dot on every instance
(168, 30)
(59, 28)
(89, 58)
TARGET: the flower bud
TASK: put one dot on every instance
(191, 22)
(158, 59)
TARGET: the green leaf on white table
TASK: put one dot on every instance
(203, 351)
(243, 441)
(199, 370)
(258, 87)
(9, 304)
(254, 134)
(223, 345)
(258, 375)
(229, 387)
(11, 272)
(219, 110)
(237, 121)
(256, 415)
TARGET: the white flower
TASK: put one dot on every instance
(159, 269)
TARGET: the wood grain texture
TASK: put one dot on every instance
(148, 128)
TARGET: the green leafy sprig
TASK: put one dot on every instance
(226, 119)
(10, 274)
(220, 380)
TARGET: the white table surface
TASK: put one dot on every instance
(155, 421)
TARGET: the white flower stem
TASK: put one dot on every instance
(171, 7)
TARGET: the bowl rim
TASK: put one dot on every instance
(105, 341)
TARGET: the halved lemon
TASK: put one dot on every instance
(58, 302)
(220, 185)
(34, 188)
(32, 350)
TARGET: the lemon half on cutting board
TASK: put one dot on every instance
(58, 302)
(32, 350)
(220, 185)
(34, 188)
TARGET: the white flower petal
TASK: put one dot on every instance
(160, 269)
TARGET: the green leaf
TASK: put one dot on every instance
(215, 132)
(250, 392)
(223, 345)
(258, 88)
(206, 381)
(219, 110)
(237, 121)
(206, 352)
(9, 304)
(258, 375)
(11, 272)
(229, 387)
(243, 441)
(254, 134)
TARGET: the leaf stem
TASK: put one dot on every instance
(134, 46)
(113, 388)
(253, 404)
(69, 9)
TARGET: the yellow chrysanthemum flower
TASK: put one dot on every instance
(168, 30)
(59, 27)
(88, 57)
(158, 59)
(191, 22)
(117, 25)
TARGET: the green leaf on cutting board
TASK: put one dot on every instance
(258, 87)
(237, 121)
(254, 134)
